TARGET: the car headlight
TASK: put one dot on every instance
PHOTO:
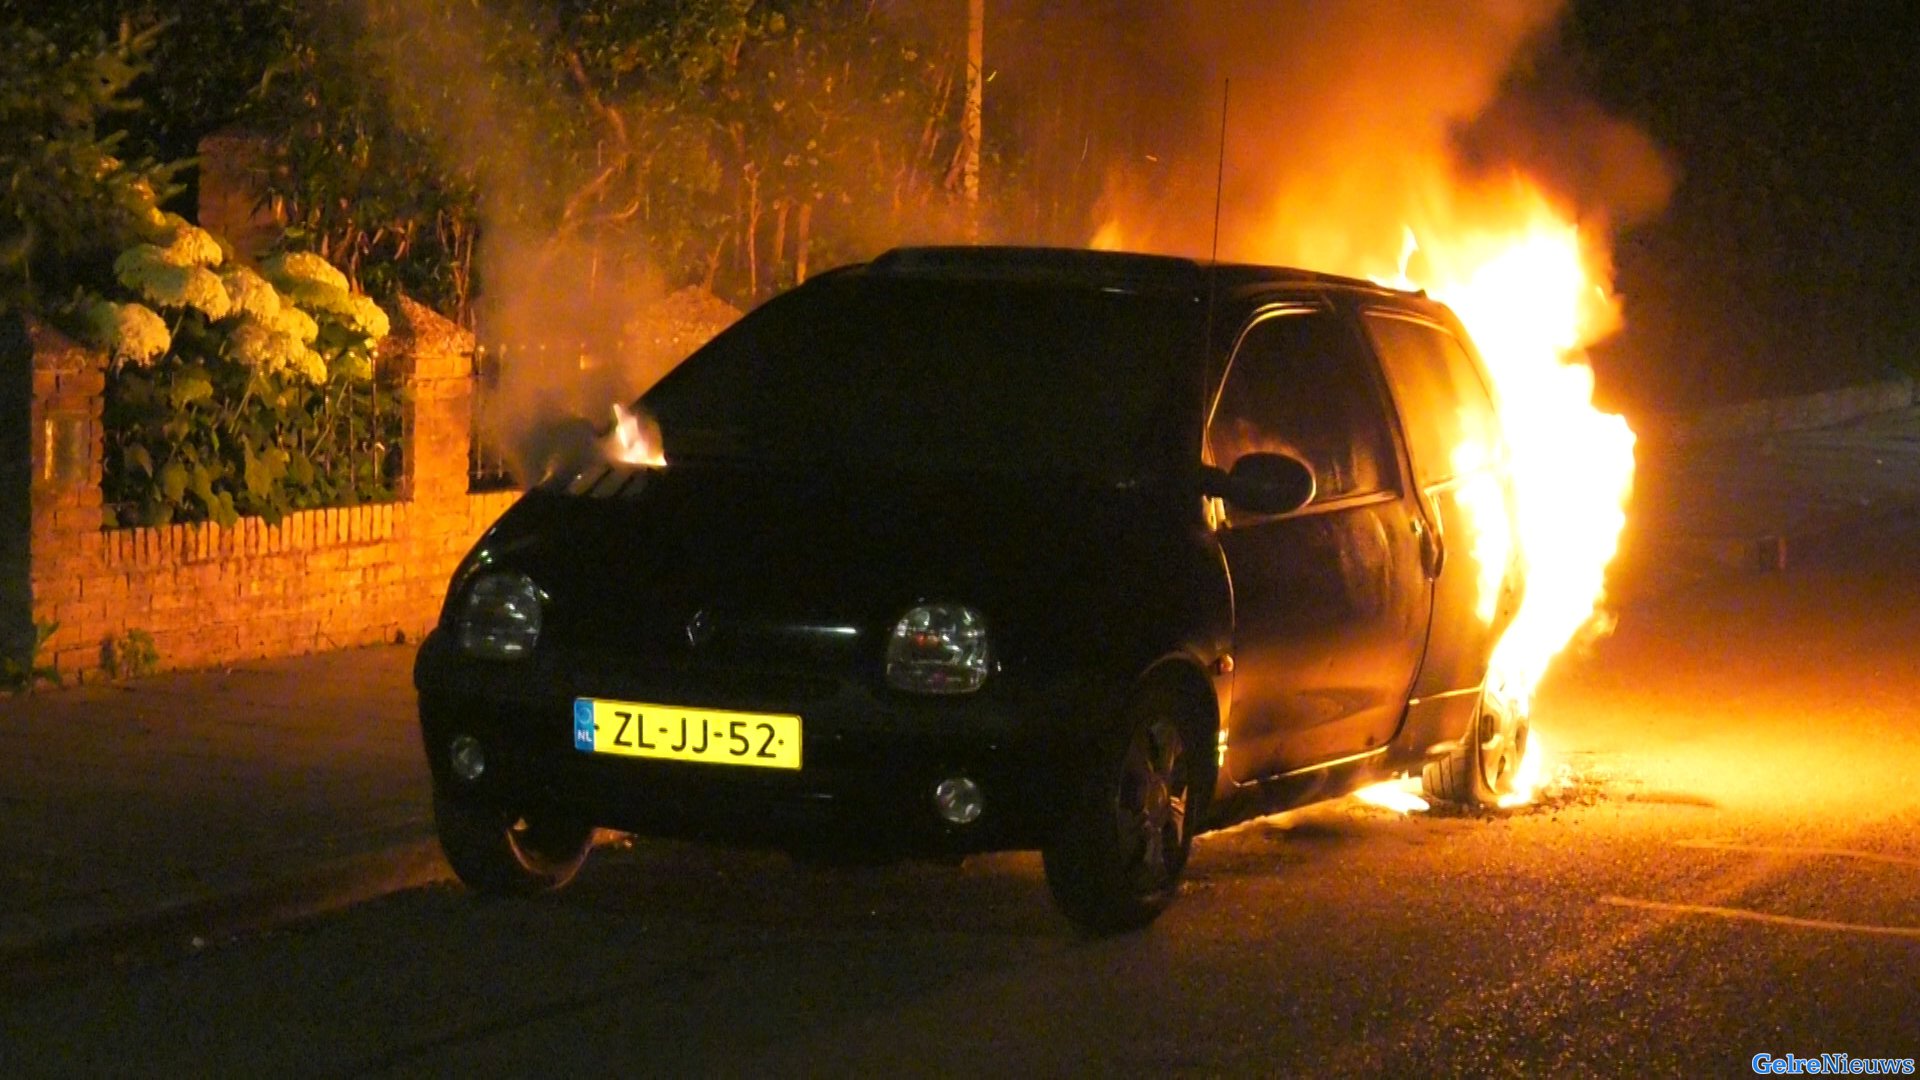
(500, 616)
(939, 649)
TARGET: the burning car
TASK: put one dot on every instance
(976, 549)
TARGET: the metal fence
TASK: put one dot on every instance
(167, 461)
(487, 468)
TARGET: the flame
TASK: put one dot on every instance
(1532, 289)
(1527, 780)
(634, 440)
(1401, 796)
(1531, 301)
(1404, 795)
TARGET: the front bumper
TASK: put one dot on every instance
(871, 759)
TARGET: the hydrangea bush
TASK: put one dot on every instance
(234, 390)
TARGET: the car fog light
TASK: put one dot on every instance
(467, 758)
(958, 800)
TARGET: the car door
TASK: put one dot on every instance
(1460, 470)
(1331, 601)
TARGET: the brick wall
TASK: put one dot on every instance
(211, 595)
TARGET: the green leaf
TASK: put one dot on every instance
(259, 478)
(173, 481)
(136, 456)
(190, 385)
(222, 510)
(300, 472)
(200, 482)
(136, 390)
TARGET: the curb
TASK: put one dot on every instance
(1767, 416)
(182, 929)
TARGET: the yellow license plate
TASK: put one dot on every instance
(674, 733)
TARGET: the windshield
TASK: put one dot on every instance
(928, 375)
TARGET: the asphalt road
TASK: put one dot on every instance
(1727, 864)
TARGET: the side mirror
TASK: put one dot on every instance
(1263, 483)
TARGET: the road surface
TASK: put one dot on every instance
(1726, 864)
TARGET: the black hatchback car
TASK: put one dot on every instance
(969, 549)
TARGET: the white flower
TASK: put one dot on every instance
(297, 266)
(318, 296)
(312, 365)
(205, 292)
(296, 324)
(354, 311)
(269, 350)
(136, 259)
(369, 319)
(190, 245)
(131, 332)
(251, 293)
(148, 270)
(353, 364)
(256, 345)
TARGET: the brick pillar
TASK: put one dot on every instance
(436, 357)
(65, 433)
(16, 485)
(231, 178)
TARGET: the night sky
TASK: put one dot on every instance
(1788, 257)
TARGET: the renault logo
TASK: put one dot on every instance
(699, 628)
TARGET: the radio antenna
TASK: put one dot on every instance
(1220, 176)
(1219, 187)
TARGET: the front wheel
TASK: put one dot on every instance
(1124, 841)
(1485, 767)
(496, 851)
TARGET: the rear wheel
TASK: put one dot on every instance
(1484, 768)
(497, 851)
(1117, 861)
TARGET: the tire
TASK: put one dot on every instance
(1483, 769)
(506, 854)
(1116, 862)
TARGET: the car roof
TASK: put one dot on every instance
(1116, 269)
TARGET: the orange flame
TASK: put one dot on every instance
(634, 440)
(1530, 301)
(1531, 288)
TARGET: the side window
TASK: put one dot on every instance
(1449, 415)
(1298, 383)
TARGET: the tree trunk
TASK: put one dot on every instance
(751, 237)
(970, 117)
(780, 209)
(800, 245)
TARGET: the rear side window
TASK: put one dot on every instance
(1449, 415)
(1299, 384)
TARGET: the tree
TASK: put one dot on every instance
(69, 202)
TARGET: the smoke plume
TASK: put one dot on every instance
(1348, 122)
(558, 306)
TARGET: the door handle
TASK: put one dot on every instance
(1433, 554)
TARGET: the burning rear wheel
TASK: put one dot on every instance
(1488, 762)
(1117, 862)
(497, 851)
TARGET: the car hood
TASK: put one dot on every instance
(731, 562)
